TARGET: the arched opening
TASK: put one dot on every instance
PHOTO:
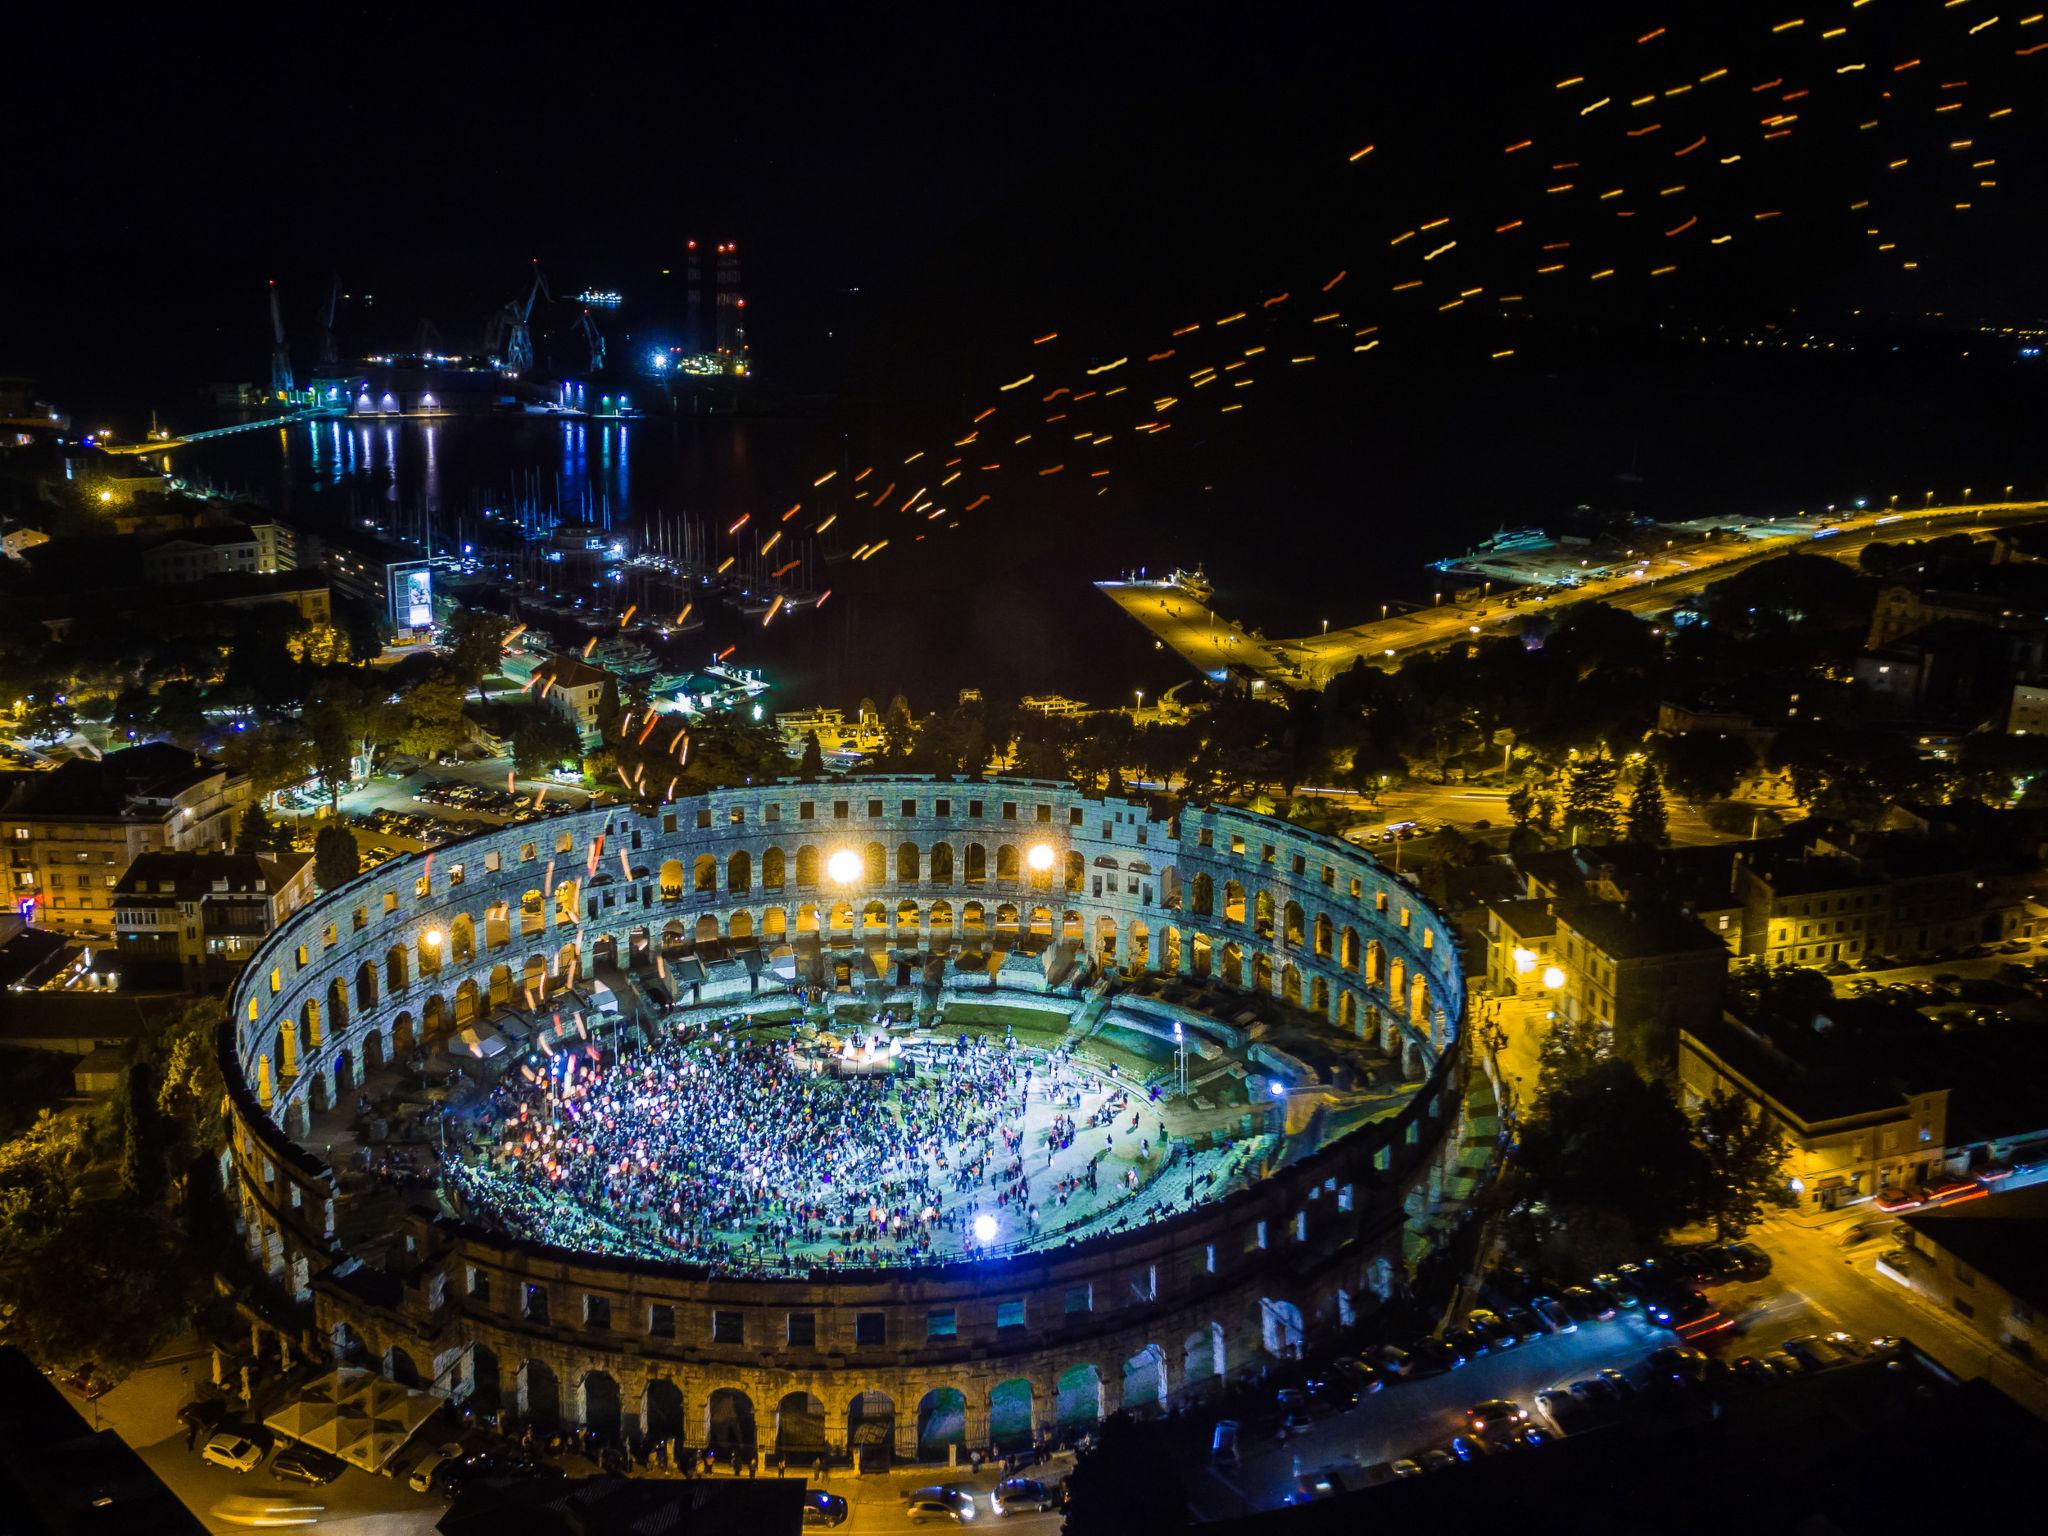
(906, 916)
(706, 931)
(1290, 983)
(462, 939)
(1040, 922)
(1418, 1002)
(906, 863)
(1076, 872)
(661, 1412)
(800, 1426)
(1280, 1328)
(1347, 1009)
(1201, 1361)
(871, 1425)
(739, 872)
(533, 979)
(533, 912)
(774, 923)
(395, 975)
(874, 865)
(740, 925)
(942, 863)
(1006, 918)
(486, 1388)
(466, 1004)
(806, 868)
(1262, 914)
(976, 869)
(1325, 936)
(806, 920)
(400, 1367)
(672, 880)
(366, 993)
(1011, 1425)
(1169, 951)
(1202, 954)
(874, 918)
(729, 1421)
(1347, 949)
(599, 1405)
(540, 1396)
(1233, 965)
(1262, 972)
(1105, 938)
(942, 917)
(1233, 902)
(1070, 927)
(1008, 866)
(1079, 1403)
(403, 1037)
(1139, 955)
(972, 918)
(941, 1421)
(498, 925)
(1144, 1392)
(1397, 978)
(704, 873)
(1202, 896)
(567, 896)
(1375, 963)
(842, 918)
(772, 870)
(373, 1052)
(1292, 918)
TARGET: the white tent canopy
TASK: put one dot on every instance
(356, 1415)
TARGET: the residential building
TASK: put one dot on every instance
(1638, 973)
(578, 690)
(1985, 1263)
(194, 918)
(17, 537)
(305, 591)
(1855, 1122)
(1809, 909)
(237, 549)
(2028, 713)
(71, 833)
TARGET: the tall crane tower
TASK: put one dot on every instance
(519, 336)
(593, 339)
(281, 386)
(327, 349)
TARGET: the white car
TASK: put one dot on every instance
(236, 1452)
(422, 1478)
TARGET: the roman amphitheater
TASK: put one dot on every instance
(1286, 1010)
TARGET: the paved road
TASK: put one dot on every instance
(1413, 1416)
(1210, 642)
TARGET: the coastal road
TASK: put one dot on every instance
(1210, 642)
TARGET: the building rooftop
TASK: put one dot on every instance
(2005, 1237)
(572, 672)
(111, 786)
(207, 872)
(1634, 931)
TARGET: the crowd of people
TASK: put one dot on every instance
(741, 1150)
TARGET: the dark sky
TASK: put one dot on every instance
(1056, 166)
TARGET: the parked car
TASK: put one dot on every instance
(1017, 1495)
(1524, 1323)
(1465, 1341)
(233, 1450)
(204, 1415)
(1394, 1360)
(1746, 1261)
(1616, 1290)
(822, 1508)
(305, 1464)
(1435, 1460)
(1496, 1413)
(1493, 1329)
(1554, 1315)
(1679, 1363)
(1435, 1354)
(1816, 1353)
(1223, 1442)
(1585, 1305)
(932, 1504)
(1358, 1375)
(428, 1469)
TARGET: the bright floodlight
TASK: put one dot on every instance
(843, 866)
(1525, 960)
(985, 1228)
(1040, 856)
(1553, 977)
(434, 938)
(1277, 1088)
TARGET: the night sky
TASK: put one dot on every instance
(974, 181)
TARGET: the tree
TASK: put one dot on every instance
(1702, 765)
(544, 739)
(430, 716)
(1128, 1481)
(813, 763)
(336, 859)
(473, 642)
(142, 1157)
(1607, 1139)
(1589, 785)
(257, 835)
(1745, 1156)
(1647, 823)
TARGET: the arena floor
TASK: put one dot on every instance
(741, 1149)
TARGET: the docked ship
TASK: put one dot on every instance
(1194, 584)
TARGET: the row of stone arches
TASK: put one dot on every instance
(807, 868)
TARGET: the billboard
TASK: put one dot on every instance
(411, 588)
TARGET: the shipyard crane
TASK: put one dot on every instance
(592, 338)
(328, 354)
(281, 386)
(516, 321)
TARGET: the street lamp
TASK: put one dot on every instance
(1553, 976)
(843, 866)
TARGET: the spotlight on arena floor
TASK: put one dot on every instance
(984, 1228)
